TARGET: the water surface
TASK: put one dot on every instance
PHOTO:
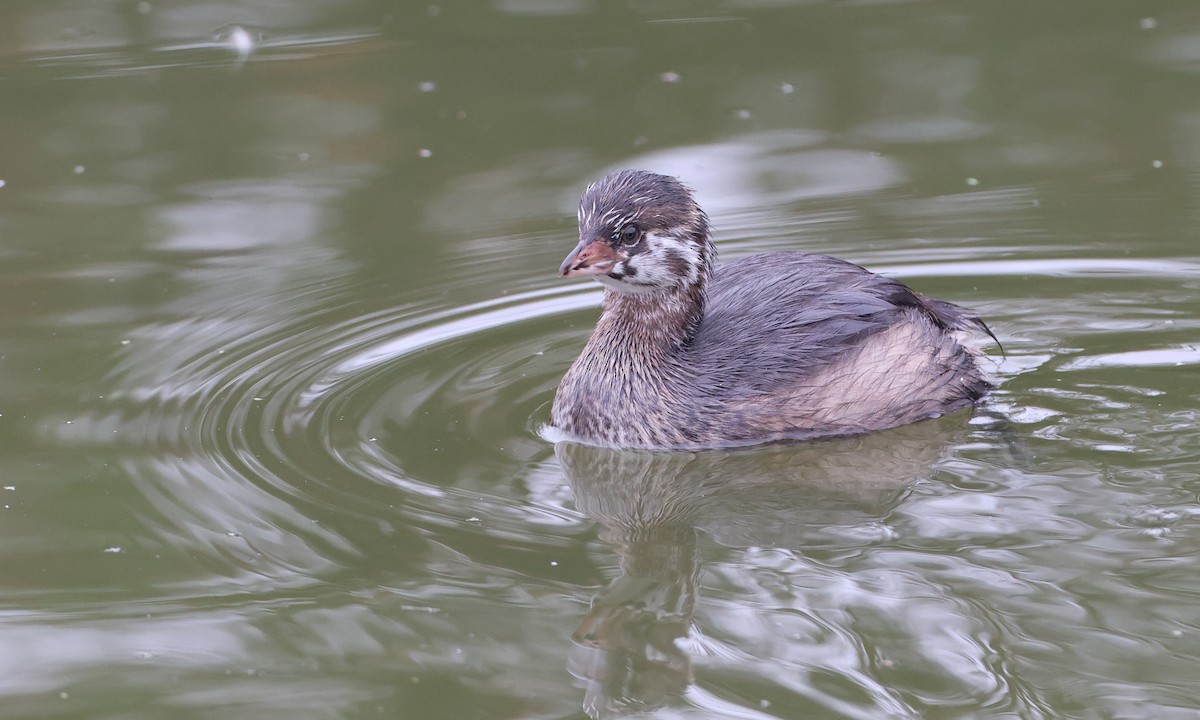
(281, 330)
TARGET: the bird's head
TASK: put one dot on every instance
(640, 232)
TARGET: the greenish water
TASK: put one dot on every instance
(280, 327)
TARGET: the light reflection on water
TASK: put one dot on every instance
(275, 384)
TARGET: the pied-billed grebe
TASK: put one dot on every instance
(775, 346)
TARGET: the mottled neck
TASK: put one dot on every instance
(652, 325)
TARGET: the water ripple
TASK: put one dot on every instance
(275, 450)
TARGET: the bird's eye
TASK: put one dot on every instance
(630, 232)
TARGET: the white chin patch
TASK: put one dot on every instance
(624, 284)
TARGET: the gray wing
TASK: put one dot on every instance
(797, 313)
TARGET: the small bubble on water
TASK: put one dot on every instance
(787, 88)
(79, 170)
(371, 439)
(670, 76)
(1156, 164)
(473, 519)
(972, 182)
(764, 703)
(743, 114)
(1147, 23)
(425, 152)
(553, 563)
(63, 696)
(125, 342)
(114, 549)
(241, 40)
(233, 534)
(303, 157)
(427, 86)
(3, 183)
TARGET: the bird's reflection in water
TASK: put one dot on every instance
(652, 505)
